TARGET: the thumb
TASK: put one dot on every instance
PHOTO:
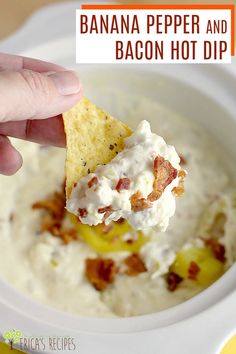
(27, 94)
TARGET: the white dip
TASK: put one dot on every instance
(43, 268)
(133, 165)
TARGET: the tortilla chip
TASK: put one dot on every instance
(93, 138)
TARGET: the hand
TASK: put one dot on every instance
(33, 94)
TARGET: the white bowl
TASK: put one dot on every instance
(204, 93)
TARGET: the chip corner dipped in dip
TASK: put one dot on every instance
(113, 173)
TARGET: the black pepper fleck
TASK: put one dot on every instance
(111, 147)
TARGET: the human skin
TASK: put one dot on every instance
(33, 94)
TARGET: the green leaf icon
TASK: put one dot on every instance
(12, 337)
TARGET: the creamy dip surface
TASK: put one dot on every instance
(42, 267)
(112, 187)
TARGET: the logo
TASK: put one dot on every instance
(12, 337)
(55, 344)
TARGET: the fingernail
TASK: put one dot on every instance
(66, 82)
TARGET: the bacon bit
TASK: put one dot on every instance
(67, 235)
(173, 281)
(130, 241)
(123, 183)
(183, 160)
(48, 223)
(179, 190)
(182, 174)
(75, 184)
(93, 181)
(135, 265)
(217, 248)
(83, 212)
(106, 215)
(54, 205)
(164, 174)
(106, 210)
(138, 203)
(52, 219)
(120, 221)
(193, 270)
(100, 272)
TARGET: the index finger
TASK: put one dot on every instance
(16, 63)
(48, 131)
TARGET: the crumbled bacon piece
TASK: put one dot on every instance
(217, 248)
(54, 215)
(164, 174)
(130, 241)
(182, 174)
(82, 212)
(123, 183)
(120, 221)
(106, 215)
(100, 272)
(183, 160)
(66, 234)
(93, 181)
(48, 222)
(179, 190)
(135, 265)
(173, 280)
(138, 203)
(193, 270)
(106, 210)
(54, 204)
